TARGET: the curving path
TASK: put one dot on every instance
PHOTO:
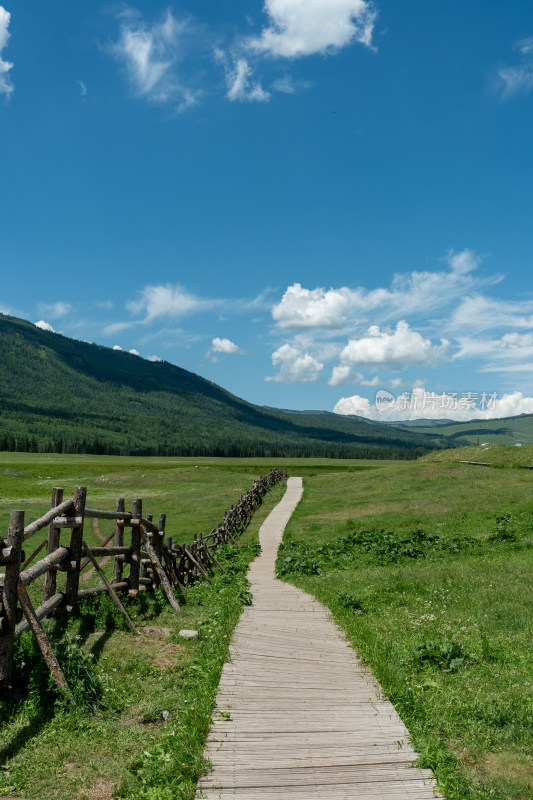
(297, 715)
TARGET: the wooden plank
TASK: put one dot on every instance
(297, 716)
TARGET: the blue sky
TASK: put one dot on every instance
(306, 203)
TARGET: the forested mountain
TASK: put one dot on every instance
(62, 395)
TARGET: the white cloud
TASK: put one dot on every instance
(303, 27)
(117, 347)
(148, 54)
(410, 293)
(6, 87)
(288, 85)
(479, 313)
(168, 301)
(223, 346)
(344, 374)
(420, 404)
(511, 345)
(133, 352)
(54, 310)
(314, 308)
(239, 79)
(5, 310)
(153, 358)
(518, 79)
(394, 350)
(294, 366)
(83, 88)
(189, 100)
(355, 405)
(44, 326)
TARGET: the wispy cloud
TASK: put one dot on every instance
(149, 54)
(6, 86)
(169, 301)
(54, 310)
(297, 28)
(518, 78)
(83, 88)
(239, 79)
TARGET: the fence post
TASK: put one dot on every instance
(50, 579)
(15, 538)
(75, 548)
(118, 565)
(135, 565)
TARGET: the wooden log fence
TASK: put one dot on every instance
(153, 558)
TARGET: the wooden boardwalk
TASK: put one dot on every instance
(297, 716)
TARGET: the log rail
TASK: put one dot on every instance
(154, 559)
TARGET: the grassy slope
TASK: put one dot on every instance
(473, 725)
(53, 387)
(126, 747)
(506, 431)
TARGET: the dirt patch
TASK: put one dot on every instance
(156, 632)
(164, 653)
(101, 790)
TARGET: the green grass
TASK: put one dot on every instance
(125, 746)
(439, 606)
(507, 431)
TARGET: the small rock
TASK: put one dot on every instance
(185, 634)
(165, 715)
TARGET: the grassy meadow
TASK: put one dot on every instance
(427, 567)
(144, 702)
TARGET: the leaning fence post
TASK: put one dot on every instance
(50, 579)
(158, 545)
(76, 540)
(135, 565)
(15, 537)
(119, 542)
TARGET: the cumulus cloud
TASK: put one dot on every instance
(223, 346)
(149, 53)
(395, 349)
(168, 301)
(421, 404)
(297, 28)
(343, 374)
(153, 358)
(294, 366)
(413, 293)
(133, 352)
(6, 86)
(44, 326)
(54, 310)
(117, 347)
(518, 78)
(239, 79)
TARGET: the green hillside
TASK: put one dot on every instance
(509, 431)
(62, 395)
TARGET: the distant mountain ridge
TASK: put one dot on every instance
(63, 395)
